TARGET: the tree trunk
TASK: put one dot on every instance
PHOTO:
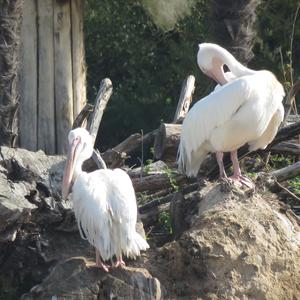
(233, 26)
(10, 23)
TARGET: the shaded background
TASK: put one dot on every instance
(147, 48)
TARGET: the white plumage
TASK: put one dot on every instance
(247, 108)
(104, 204)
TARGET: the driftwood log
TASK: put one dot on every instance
(185, 99)
(158, 182)
(287, 172)
(116, 156)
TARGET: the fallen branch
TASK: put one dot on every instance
(286, 148)
(287, 172)
(154, 203)
(116, 156)
(157, 182)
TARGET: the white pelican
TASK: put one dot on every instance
(104, 204)
(247, 108)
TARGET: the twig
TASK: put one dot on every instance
(287, 191)
(142, 148)
(289, 100)
(291, 43)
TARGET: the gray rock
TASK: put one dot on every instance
(76, 279)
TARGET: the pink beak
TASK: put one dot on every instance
(69, 168)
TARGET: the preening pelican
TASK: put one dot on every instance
(103, 202)
(247, 108)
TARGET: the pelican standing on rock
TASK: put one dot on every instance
(104, 204)
(246, 108)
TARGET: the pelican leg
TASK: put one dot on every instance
(99, 262)
(120, 262)
(219, 156)
(237, 174)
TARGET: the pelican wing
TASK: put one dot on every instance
(267, 137)
(205, 116)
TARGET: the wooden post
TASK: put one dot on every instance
(28, 107)
(46, 104)
(63, 73)
(185, 98)
(78, 61)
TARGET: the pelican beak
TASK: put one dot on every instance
(69, 168)
(217, 72)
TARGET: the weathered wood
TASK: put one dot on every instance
(158, 167)
(78, 61)
(28, 107)
(286, 133)
(10, 41)
(286, 148)
(115, 157)
(167, 141)
(165, 199)
(83, 115)
(104, 93)
(151, 216)
(63, 73)
(287, 172)
(158, 181)
(185, 99)
(46, 105)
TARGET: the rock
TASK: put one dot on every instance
(77, 278)
(238, 246)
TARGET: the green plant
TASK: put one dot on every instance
(164, 219)
(294, 185)
(172, 178)
(147, 167)
(278, 161)
(143, 198)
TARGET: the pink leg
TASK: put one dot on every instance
(237, 175)
(219, 156)
(99, 263)
(120, 262)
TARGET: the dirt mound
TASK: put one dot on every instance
(239, 246)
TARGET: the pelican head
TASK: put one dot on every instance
(211, 58)
(80, 148)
